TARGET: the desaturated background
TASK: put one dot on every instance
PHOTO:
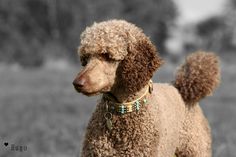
(38, 62)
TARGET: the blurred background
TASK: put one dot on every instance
(38, 62)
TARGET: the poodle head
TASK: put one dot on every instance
(115, 55)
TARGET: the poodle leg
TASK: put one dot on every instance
(195, 140)
(194, 149)
(195, 145)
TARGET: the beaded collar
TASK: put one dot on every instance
(112, 107)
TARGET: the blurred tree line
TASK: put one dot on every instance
(217, 33)
(33, 30)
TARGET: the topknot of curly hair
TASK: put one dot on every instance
(112, 37)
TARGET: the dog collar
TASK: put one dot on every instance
(127, 107)
(122, 108)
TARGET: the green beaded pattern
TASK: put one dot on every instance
(130, 107)
(122, 109)
(137, 105)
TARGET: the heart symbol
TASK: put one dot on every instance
(6, 144)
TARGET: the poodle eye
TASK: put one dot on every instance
(84, 63)
(84, 60)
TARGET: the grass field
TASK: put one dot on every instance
(40, 109)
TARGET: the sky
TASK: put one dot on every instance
(197, 10)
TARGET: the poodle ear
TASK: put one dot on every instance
(138, 66)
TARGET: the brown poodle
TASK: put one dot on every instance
(136, 118)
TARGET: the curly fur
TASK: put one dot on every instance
(139, 56)
(138, 66)
(106, 37)
(168, 125)
(198, 76)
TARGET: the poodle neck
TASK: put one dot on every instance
(122, 96)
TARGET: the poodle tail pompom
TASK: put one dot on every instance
(198, 76)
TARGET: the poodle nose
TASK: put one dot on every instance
(79, 82)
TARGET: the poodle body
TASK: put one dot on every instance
(120, 60)
(156, 131)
